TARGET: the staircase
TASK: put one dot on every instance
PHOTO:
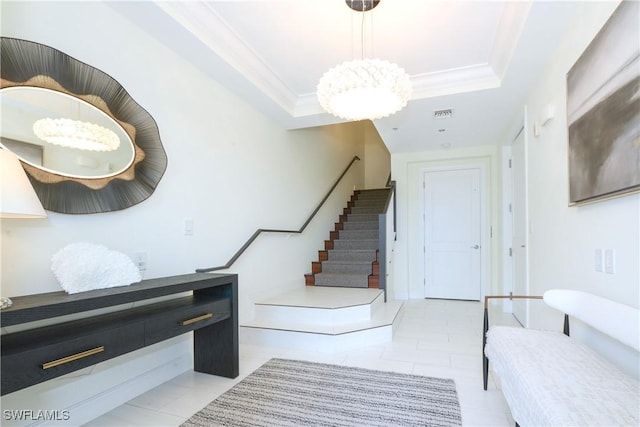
(342, 306)
(350, 258)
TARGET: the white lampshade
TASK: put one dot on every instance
(17, 197)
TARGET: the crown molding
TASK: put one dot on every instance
(212, 30)
(428, 85)
(512, 22)
(215, 33)
(452, 81)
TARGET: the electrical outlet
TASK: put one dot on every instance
(140, 260)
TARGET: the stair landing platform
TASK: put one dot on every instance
(323, 319)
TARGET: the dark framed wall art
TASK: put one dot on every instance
(603, 111)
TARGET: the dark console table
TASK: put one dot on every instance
(35, 355)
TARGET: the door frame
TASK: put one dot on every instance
(485, 221)
(525, 233)
(507, 228)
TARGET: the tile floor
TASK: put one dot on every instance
(432, 338)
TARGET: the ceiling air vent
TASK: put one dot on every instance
(443, 114)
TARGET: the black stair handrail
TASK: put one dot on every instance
(259, 231)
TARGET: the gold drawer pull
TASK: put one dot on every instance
(197, 319)
(73, 357)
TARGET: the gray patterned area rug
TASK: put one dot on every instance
(296, 393)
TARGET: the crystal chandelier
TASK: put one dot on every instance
(76, 134)
(364, 88)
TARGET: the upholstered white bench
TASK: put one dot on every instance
(550, 379)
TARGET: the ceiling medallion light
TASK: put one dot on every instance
(76, 134)
(364, 88)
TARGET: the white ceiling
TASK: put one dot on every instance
(477, 57)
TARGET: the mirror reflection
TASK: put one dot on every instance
(62, 134)
(130, 160)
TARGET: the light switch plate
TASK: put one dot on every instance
(610, 261)
(188, 227)
(140, 260)
(598, 260)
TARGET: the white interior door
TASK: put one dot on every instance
(452, 218)
(519, 248)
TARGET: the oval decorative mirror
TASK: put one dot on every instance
(85, 144)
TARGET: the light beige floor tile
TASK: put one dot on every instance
(433, 338)
(129, 415)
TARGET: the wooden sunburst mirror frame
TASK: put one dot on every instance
(26, 63)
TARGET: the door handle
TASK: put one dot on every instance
(475, 247)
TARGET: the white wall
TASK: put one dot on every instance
(563, 239)
(230, 169)
(409, 260)
(377, 158)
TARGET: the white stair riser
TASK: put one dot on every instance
(322, 319)
(317, 316)
(316, 342)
